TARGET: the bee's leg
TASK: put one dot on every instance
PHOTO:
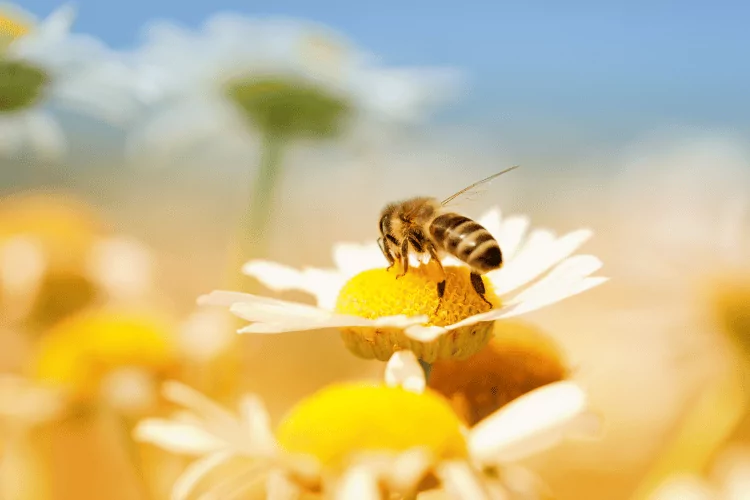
(478, 284)
(404, 258)
(383, 244)
(441, 284)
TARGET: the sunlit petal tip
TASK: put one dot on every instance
(531, 423)
(403, 369)
(360, 483)
(196, 471)
(175, 437)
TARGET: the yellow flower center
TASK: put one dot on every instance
(517, 360)
(11, 27)
(81, 350)
(380, 292)
(342, 420)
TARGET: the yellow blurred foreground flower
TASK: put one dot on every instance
(57, 257)
(357, 440)
(518, 359)
(379, 314)
(118, 355)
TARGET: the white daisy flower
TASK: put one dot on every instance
(280, 76)
(355, 440)
(729, 480)
(379, 314)
(44, 64)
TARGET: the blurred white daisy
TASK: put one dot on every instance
(43, 64)
(379, 314)
(729, 480)
(355, 440)
(280, 77)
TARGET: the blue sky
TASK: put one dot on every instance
(609, 69)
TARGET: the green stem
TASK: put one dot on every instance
(256, 221)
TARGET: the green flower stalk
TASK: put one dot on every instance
(282, 110)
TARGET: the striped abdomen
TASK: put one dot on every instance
(466, 240)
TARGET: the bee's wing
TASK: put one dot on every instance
(475, 190)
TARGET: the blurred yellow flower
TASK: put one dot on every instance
(380, 292)
(518, 359)
(13, 24)
(358, 440)
(339, 421)
(83, 352)
(57, 257)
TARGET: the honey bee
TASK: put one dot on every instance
(425, 227)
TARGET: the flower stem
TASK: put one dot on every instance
(255, 224)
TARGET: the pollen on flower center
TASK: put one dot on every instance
(21, 85)
(343, 420)
(379, 292)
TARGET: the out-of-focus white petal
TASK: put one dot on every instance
(358, 482)
(323, 284)
(197, 471)
(460, 481)
(541, 251)
(405, 472)
(57, 25)
(684, 488)
(122, 266)
(529, 424)
(45, 136)
(403, 370)
(129, 390)
(279, 487)
(177, 437)
(23, 402)
(257, 424)
(352, 258)
(191, 399)
(205, 334)
(22, 265)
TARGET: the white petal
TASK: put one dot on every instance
(191, 399)
(177, 437)
(684, 488)
(197, 471)
(359, 483)
(279, 487)
(538, 255)
(566, 280)
(491, 221)
(45, 136)
(407, 470)
(22, 265)
(403, 369)
(277, 316)
(257, 424)
(425, 333)
(122, 266)
(461, 482)
(353, 258)
(57, 25)
(325, 285)
(13, 131)
(511, 234)
(531, 423)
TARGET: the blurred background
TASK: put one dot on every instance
(629, 119)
